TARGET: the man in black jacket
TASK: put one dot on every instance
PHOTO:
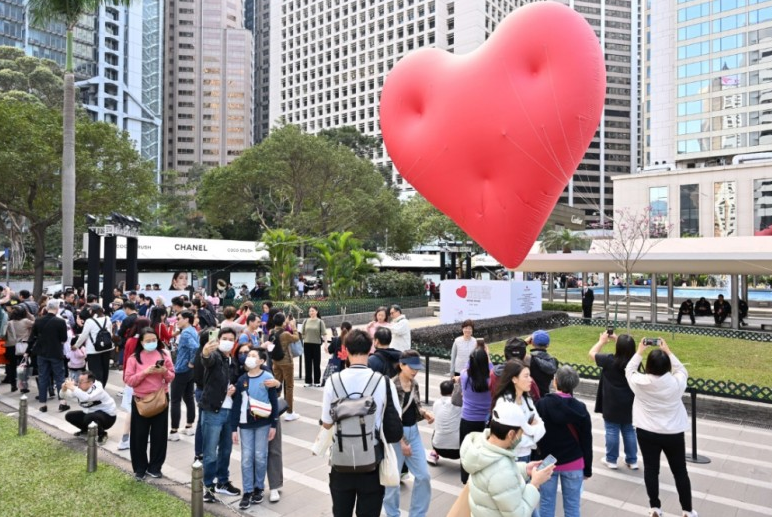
(384, 360)
(49, 333)
(721, 309)
(543, 365)
(588, 298)
(686, 309)
(216, 404)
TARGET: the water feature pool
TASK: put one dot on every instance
(695, 293)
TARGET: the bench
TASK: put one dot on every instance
(766, 326)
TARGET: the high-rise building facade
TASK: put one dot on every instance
(207, 83)
(329, 61)
(257, 18)
(708, 81)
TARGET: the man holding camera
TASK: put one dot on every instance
(96, 405)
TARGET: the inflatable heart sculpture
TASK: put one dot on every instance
(491, 138)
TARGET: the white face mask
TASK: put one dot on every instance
(251, 363)
(225, 346)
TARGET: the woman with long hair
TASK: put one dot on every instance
(615, 399)
(660, 419)
(514, 385)
(128, 391)
(380, 319)
(148, 370)
(476, 404)
(18, 331)
(314, 334)
(160, 325)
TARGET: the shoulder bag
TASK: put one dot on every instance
(153, 404)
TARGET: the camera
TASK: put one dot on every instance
(651, 341)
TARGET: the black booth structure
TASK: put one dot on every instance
(116, 225)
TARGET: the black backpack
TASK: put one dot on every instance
(103, 340)
(207, 317)
(390, 368)
(277, 354)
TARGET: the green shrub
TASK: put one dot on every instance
(560, 306)
(438, 340)
(392, 284)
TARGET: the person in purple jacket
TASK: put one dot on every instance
(476, 397)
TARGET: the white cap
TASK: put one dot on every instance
(509, 413)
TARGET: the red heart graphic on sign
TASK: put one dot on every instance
(491, 138)
(461, 291)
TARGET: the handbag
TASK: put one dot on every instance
(296, 348)
(153, 404)
(388, 469)
(21, 346)
(259, 409)
(391, 422)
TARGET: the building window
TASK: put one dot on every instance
(724, 209)
(690, 210)
(658, 212)
(762, 205)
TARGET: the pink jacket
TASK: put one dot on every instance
(147, 383)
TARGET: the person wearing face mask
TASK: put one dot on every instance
(182, 386)
(254, 420)
(215, 407)
(497, 481)
(148, 370)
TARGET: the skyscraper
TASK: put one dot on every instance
(706, 95)
(257, 19)
(329, 62)
(207, 83)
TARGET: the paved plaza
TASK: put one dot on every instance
(737, 482)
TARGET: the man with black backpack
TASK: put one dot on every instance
(97, 337)
(357, 487)
(385, 359)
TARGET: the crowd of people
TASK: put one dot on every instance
(236, 379)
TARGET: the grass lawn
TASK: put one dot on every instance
(44, 477)
(705, 357)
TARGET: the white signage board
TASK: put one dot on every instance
(481, 299)
(151, 247)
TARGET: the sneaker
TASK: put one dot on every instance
(174, 436)
(632, 466)
(227, 488)
(612, 466)
(102, 439)
(63, 408)
(257, 496)
(43, 409)
(274, 496)
(317, 385)
(123, 445)
(432, 458)
(155, 475)
(79, 434)
(209, 494)
(139, 476)
(690, 514)
(405, 477)
(655, 512)
(189, 430)
(308, 385)
(245, 501)
(289, 417)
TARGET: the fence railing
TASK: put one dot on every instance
(329, 307)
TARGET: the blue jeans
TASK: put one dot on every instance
(254, 457)
(46, 367)
(526, 459)
(571, 482)
(416, 463)
(218, 442)
(628, 438)
(198, 442)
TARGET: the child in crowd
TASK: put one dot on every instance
(447, 418)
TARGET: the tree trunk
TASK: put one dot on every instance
(627, 297)
(68, 170)
(39, 235)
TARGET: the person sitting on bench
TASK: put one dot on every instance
(742, 306)
(721, 309)
(702, 308)
(686, 309)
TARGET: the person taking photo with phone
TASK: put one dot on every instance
(660, 419)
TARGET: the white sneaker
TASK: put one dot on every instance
(189, 431)
(123, 445)
(632, 466)
(655, 512)
(612, 466)
(289, 417)
(275, 496)
(690, 514)
(404, 478)
(174, 437)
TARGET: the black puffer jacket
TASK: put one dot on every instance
(543, 368)
(217, 376)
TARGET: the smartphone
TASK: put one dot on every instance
(651, 341)
(610, 331)
(547, 462)
(159, 363)
(213, 334)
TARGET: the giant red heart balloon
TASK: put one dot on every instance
(491, 138)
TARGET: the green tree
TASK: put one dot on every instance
(282, 246)
(30, 165)
(345, 263)
(299, 182)
(421, 223)
(363, 145)
(563, 239)
(177, 214)
(68, 12)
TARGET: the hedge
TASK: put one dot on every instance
(561, 306)
(438, 340)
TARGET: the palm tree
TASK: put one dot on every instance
(344, 261)
(563, 239)
(282, 247)
(68, 12)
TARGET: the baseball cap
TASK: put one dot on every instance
(541, 338)
(508, 413)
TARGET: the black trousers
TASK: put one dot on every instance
(81, 420)
(363, 491)
(10, 368)
(719, 317)
(587, 310)
(680, 315)
(673, 445)
(99, 365)
(312, 353)
(155, 429)
(466, 427)
(182, 389)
